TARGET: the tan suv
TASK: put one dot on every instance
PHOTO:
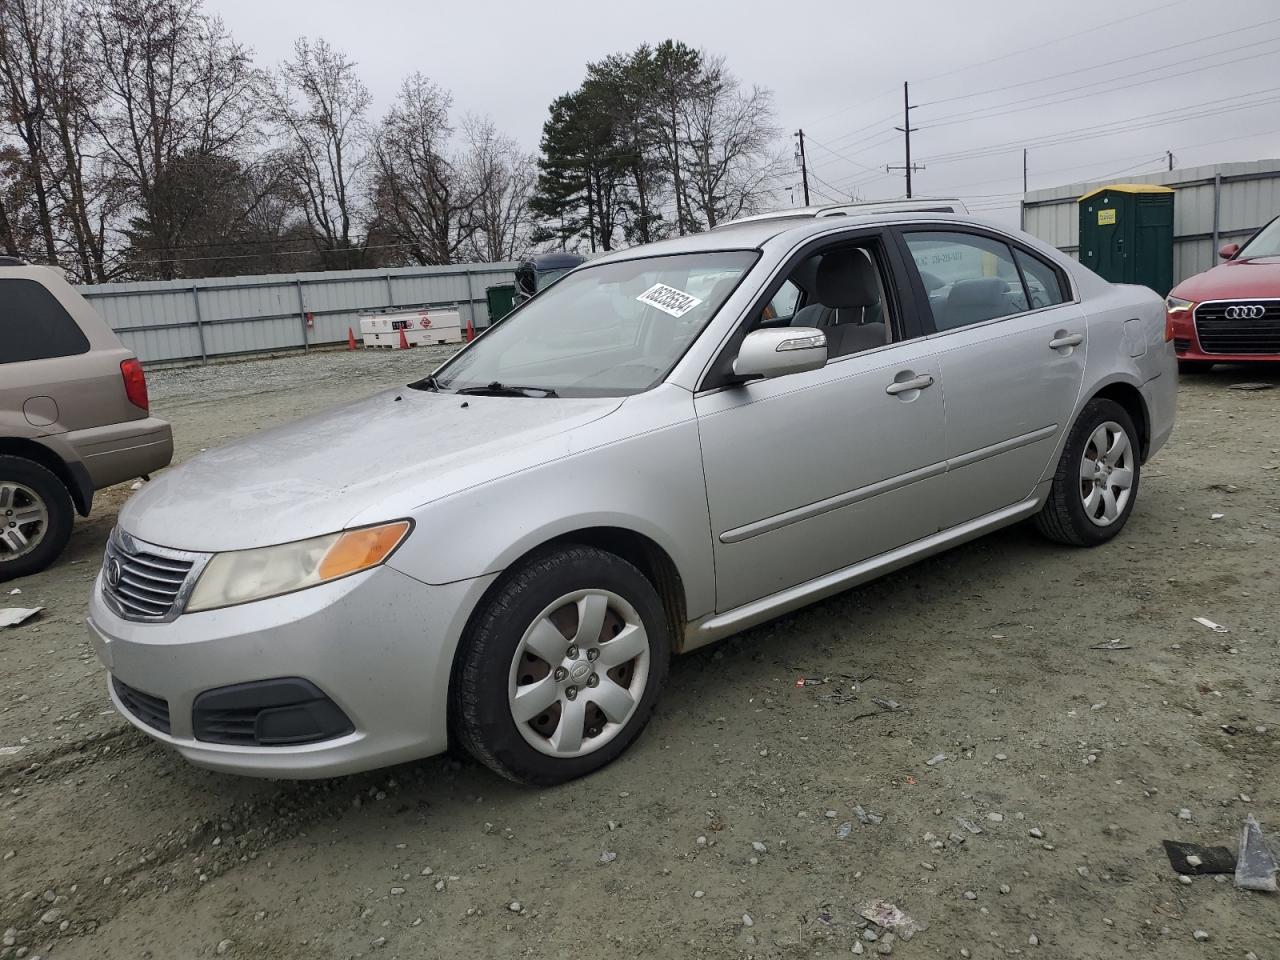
(73, 415)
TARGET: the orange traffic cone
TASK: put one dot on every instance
(404, 341)
(471, 330)
(351, 339)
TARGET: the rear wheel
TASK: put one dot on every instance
(561, 669)
(35, 517)
(1096, 483)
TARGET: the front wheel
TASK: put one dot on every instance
(561, 669)
(1096, 483)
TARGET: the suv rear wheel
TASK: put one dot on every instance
(35, 517)
(561, 669)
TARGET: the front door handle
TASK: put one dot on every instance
(1072, 340)
(915, 383)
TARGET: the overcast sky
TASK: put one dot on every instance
(837, 66)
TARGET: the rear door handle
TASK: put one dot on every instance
(915, 383)
(1073, 340)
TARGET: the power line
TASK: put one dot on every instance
(1127, 59)
(970, 66)
(890, 134)
(1046, 99)
(838, 154)
(830, 186)
(1051, 42)
(1123, 125)
(887, 119)
(888, 91)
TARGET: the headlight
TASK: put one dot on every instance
(1176, 304)
(245, 575)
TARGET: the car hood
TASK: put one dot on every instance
(332, 469)
(1233, 280)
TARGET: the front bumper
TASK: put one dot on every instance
(379, 644)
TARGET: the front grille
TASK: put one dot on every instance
(142, 582)
(153, 711)
(1218, 334)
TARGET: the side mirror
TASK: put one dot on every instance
(1228, 250)
(778, 352)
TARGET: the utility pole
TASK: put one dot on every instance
(1024, 169)
(804, 170)
(1169, 153)
(907, 129)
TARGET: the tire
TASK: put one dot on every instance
(497, 672)
(1078, 511)
(1194, 366)
(29, 490)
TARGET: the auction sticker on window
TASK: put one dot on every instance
(669, 299)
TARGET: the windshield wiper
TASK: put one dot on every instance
(496, 389)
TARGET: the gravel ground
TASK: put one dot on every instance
(732, 828)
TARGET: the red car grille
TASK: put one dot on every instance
(1244, 327)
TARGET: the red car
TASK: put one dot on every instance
(1231, 313)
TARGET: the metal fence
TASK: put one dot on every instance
(165, 320)
(1213, 205)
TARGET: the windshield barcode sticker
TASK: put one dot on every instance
(669, 299)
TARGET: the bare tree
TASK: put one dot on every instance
(730, 146)
(88, 198)
(24, 35)
(507, 177)
(12, 191)
(180, 97)
(321, 105)
(425, 199)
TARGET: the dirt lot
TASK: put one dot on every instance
(114, 847)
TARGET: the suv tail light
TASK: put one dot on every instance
(135, 383)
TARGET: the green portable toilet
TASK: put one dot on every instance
(1126, 234)
(501, 299)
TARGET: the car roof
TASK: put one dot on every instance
(861, 207)
(755, 234)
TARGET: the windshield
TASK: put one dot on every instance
(607, 330)
(1265, 243)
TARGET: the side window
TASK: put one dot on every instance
(783, 305)
(970, 279)
(1044, 283)
(33, 324)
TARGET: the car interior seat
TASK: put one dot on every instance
(847, 306)
(972, 301)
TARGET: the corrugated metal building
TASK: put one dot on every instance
(197, 319)
(1212, 205)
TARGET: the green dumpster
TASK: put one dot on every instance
(1126, 234)
(501, 299)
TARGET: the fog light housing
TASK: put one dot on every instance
(268, 713)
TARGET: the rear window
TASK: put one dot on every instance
(33, 324)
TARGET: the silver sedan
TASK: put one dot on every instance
(670, 444)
